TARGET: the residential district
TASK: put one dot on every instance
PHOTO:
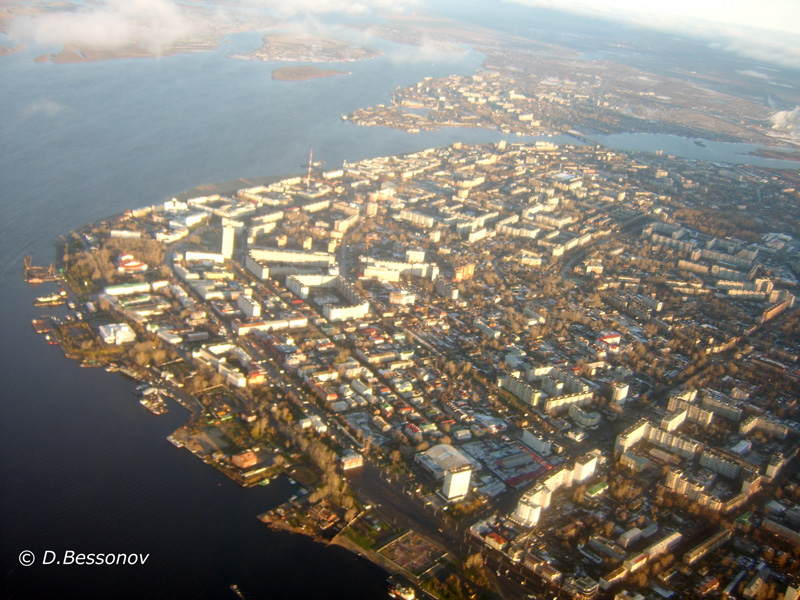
(510, 370)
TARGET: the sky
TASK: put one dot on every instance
(769, 15)
(766, 30)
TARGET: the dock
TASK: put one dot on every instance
(34, 274)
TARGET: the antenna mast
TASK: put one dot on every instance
(310, 159)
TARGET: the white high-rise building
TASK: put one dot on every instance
(584, 468)
(456, 482)
(249, 306)
(228, 237)
(527, 512)
(444, 461)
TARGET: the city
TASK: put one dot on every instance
(514, 368)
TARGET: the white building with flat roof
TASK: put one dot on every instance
(445, 461)
(117, 333)
(456, 482)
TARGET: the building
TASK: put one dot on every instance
(584, 468)
(228, 238)
(584, 418)
(444, 461)
(456, 482)
(536, 443)
(663, 545)
(244, 460)
(619, 392)
(117, 333)
(527, 512)
(351, 460)
(249, 306)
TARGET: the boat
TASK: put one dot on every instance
(51, 300)
(154, 403)
(40, 326)
(400, 589)
(700, 143)
(174, 442)
(125, 370)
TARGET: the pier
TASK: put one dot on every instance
(34, 274)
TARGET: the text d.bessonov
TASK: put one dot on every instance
(70, 557)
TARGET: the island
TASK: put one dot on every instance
(158, 30)
(307, 49)
(6, 50)
(303, 73)
(496, 370)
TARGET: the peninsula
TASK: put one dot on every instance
(514, 369)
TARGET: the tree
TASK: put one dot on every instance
(396, 457)
(473, 561)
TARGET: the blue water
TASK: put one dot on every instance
(710, 151)
(96, 138)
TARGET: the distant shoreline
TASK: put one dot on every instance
(777, 153)
(303, 73)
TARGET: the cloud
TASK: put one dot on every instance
(293, 8)
(427, 51)
(769, 31)
(158, 24)
(786, 120)
(48, 108)
(772, 47)
(155, 24)
(751, 73)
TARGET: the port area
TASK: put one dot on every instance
(420, 565)
(152, 398)
(213, 431)
(33, 274)
(224, 446)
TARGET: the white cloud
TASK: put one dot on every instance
(751, 73)
(786, 120)
(292, 8)
(427, 51)
(111, 25)
(768, 31)
(157, 24)
(775, 48)
(45, 107)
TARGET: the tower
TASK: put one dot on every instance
(310, 163)
(228, 237)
